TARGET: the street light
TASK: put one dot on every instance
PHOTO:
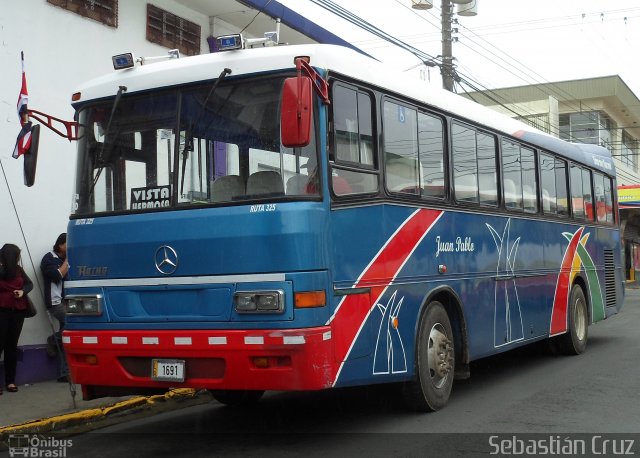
(421, 4)
(467, 9)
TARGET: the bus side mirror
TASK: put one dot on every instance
(295, 112)
(31, 157)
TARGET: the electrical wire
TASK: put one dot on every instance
(254, 17)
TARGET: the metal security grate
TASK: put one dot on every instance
(609, 278)
(105, 11)
(171, 31)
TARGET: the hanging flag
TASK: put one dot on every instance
(23, 98)
(24, 137)
(23, 143)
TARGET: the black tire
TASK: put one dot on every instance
(237, 397)
(435, 362)
(574, 341)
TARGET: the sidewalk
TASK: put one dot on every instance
(48, 406)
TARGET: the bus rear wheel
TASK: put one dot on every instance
(574, 341)
(237, 397)
(435, 362)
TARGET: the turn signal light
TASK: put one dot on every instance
(309, 299)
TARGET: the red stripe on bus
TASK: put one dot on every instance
(354, 310)
(561, 299)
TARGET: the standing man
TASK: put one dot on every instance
(54, 267)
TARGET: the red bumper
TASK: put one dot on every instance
(300, 359)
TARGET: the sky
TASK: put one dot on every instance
(509, 42)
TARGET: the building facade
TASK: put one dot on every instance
(66, 43)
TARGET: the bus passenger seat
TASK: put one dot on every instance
(266, 182)
(297, 185)
(227, 188)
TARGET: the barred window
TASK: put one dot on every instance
(171, 31)
(105, 11)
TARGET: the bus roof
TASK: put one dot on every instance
(340, 60)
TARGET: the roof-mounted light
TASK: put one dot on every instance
(122, 61)
(127, 60)
(230, 42)
(237, 41)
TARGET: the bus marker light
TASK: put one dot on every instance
(76, 96)
(442, 269)
(91, 360)
(394, 322)
(310, 299)
(261, 362)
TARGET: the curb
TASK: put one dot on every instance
(89, 419)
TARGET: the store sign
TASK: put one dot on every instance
(629, 196)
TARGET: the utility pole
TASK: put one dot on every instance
(464, 8)
(446, 69)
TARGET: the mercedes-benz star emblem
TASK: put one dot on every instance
(166, 260)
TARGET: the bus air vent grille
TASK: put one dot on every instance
(609, 278)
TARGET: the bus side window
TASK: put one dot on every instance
(608, 201)
(548, 184)
(487, 169)
(587, 194)
(562, 186)
(465, 165)
(401, 149)
(354, 168)
(512, 175)
(577, 202)
(431, 152)
(599, 196)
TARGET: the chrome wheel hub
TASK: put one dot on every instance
(439, 355)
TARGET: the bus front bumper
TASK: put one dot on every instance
(121, 362)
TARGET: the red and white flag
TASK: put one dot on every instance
(23, 143)
(23, 98)
(24, 137)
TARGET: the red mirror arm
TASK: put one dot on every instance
(70, 126)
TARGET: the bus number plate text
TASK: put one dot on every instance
(167, 370)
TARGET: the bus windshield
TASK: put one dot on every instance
(186, 147)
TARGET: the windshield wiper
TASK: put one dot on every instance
(102, 157)
(188, 138)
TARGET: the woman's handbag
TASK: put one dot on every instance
(31, 309)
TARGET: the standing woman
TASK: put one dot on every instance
(14, 286)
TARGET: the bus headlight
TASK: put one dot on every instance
(83, 305)
(259, 301)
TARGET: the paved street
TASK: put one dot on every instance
(525, 391)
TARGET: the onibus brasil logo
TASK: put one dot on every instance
(37, 446)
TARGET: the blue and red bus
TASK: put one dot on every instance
(303, 217)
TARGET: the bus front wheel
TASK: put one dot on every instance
(574, 341)
(435, 362)
(237, 397)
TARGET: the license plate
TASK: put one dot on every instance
(167, 370)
